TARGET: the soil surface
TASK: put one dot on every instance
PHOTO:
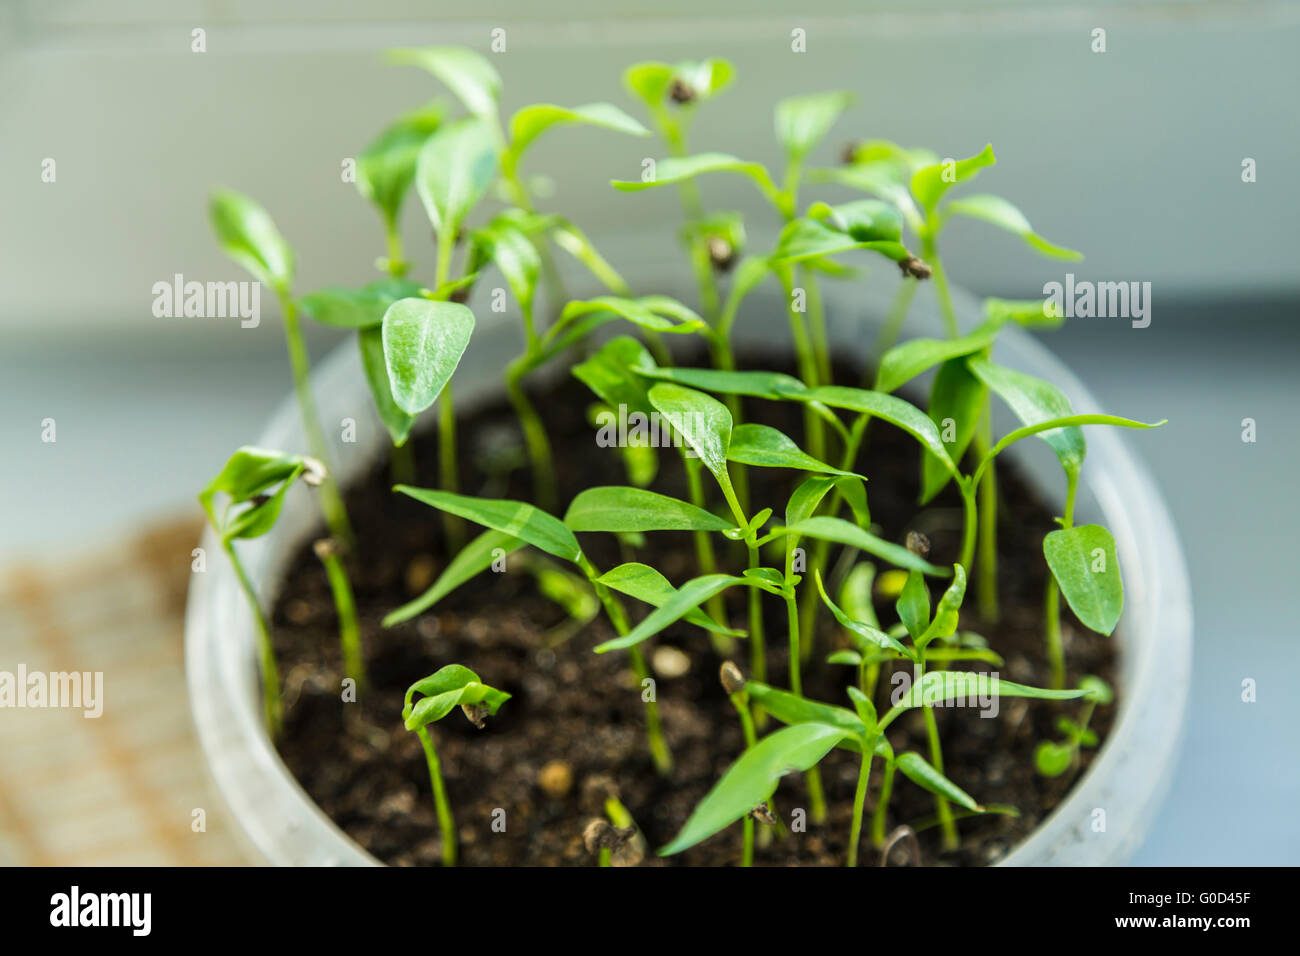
(573, 729)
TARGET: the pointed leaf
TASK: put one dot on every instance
(531, 121)
(919, 770)
(469, 562)
(767, 447)
(690, 595)
(904, 362)
(646, 584)
(998, 212)
(621, 509)
(752, 778)
(866, 636)
(423, 342)
(1034, 401)
(370, 342)
(956, 401)
(386, 168)
(1085, 565)
(676, 169)
(249, 236)
(931, 182)
(792, 709)
(515, 518)
(473, 80)
(913, 606)
(941, 687)
(703, 422)
(357, 308)
(805, 239)
(455, 168)
(888, 407)
(803, 121)
(838, 530)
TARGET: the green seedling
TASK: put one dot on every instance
(1053, 758)
(252, 486)
(440, 693)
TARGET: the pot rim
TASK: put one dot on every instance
(1127, 778)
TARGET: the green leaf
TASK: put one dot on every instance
(792, 709)
(473, 80)
(810, 492)
(996, 211)
(516, 518)
(575, 242)
(423, 342)
(450, 687)
(455, 168)
(370, 342)
(958, 397)
(1034, 401)
(249, 236)
(1069, 421)
(469, 562)
(827, 528)
(804, 239)
(904, 362)
(767, 447)
(919, 770)
(646, 584)
(514, 254)
(1097, 688)
(931, 182)
(677, 169)
(867, 637)
(947, 611)
(357, 308)
(611, 373)
(850, 658)
(656, 313)
(938, 687)
(887, 407)
(531, 121)
(650, 81)
(703, 422)
(774, 386)
(620, 509)
(864, 220)
(1085, 565)
(1052, 759)
(855, 594)
(913, 606)
(251, 471)
(1031, 313)
(257, 519)
(803, 121)
(386, 168)
(865, 708)
(752, 778)
(690, 595)
(884, 179)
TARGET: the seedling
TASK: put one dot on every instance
(469, 169)
(440, 693)
(253, 483)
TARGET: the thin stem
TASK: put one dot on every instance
(807, 367)
(812, 776)
(336, 516)
(817, 326)
(882, 807)
(707, 558)
(1052, 603)
(397, 264)
(401, 464)
(265, 654)
(618, 617)
(349, 632)
(535, 438)
(941, 806)
(894, 319)
(751, 738)
(448, 468)
(941, 290)
(987, 579)
(859, 801)
(439, 799)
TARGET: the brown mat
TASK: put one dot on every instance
(121, 788)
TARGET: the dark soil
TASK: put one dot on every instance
(575, 721)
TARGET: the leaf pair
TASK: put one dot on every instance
(442, 692)
(258, 479)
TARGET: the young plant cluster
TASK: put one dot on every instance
(470, 174)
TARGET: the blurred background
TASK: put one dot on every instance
(1134, 156)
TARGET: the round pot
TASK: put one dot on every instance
(1102, 821)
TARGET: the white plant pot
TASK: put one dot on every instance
(1126, 781)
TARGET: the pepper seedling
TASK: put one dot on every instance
(254, 482)
(440, 693)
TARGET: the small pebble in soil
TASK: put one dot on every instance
(556, 779)
(669, 662)
(419, 573)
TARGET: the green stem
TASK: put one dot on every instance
(439, 799)
(751, 739)
(336, 516)
(448, 468)
(987, 579)
(813, 776)
(859, 801)
(397, 264)
(944, 811)
(894, 319)
(618, 617)
(817, 326)
(807, 367)
(349, 632)
(265, 654)
(707, 559)
(535, 438)
(882, 807)
(1052, 608)
(940, 278)
(401, 464)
